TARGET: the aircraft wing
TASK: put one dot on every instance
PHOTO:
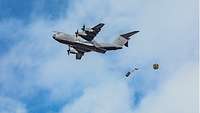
(91, 34)
(98, 27)
(79, 55)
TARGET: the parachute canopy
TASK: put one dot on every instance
(155, 66)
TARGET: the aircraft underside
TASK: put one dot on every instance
(83, 41)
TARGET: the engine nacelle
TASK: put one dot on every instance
(89, 30)
(73, 51)
(82, 34)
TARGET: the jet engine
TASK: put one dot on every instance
(71, 50)
(87, 29)
(77, 33)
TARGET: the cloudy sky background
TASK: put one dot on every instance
(37, 76)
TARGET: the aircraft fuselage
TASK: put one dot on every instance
(79, 44)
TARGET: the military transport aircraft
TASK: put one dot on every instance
(83, 42)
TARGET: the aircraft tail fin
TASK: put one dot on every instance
(122, 40)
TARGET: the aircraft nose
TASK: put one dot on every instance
(54, 36)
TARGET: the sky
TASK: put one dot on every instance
(37, 76)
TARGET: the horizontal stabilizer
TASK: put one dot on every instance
(127, 35)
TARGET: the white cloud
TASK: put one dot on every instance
(168, 36)
(108, 97)
(179, 94)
